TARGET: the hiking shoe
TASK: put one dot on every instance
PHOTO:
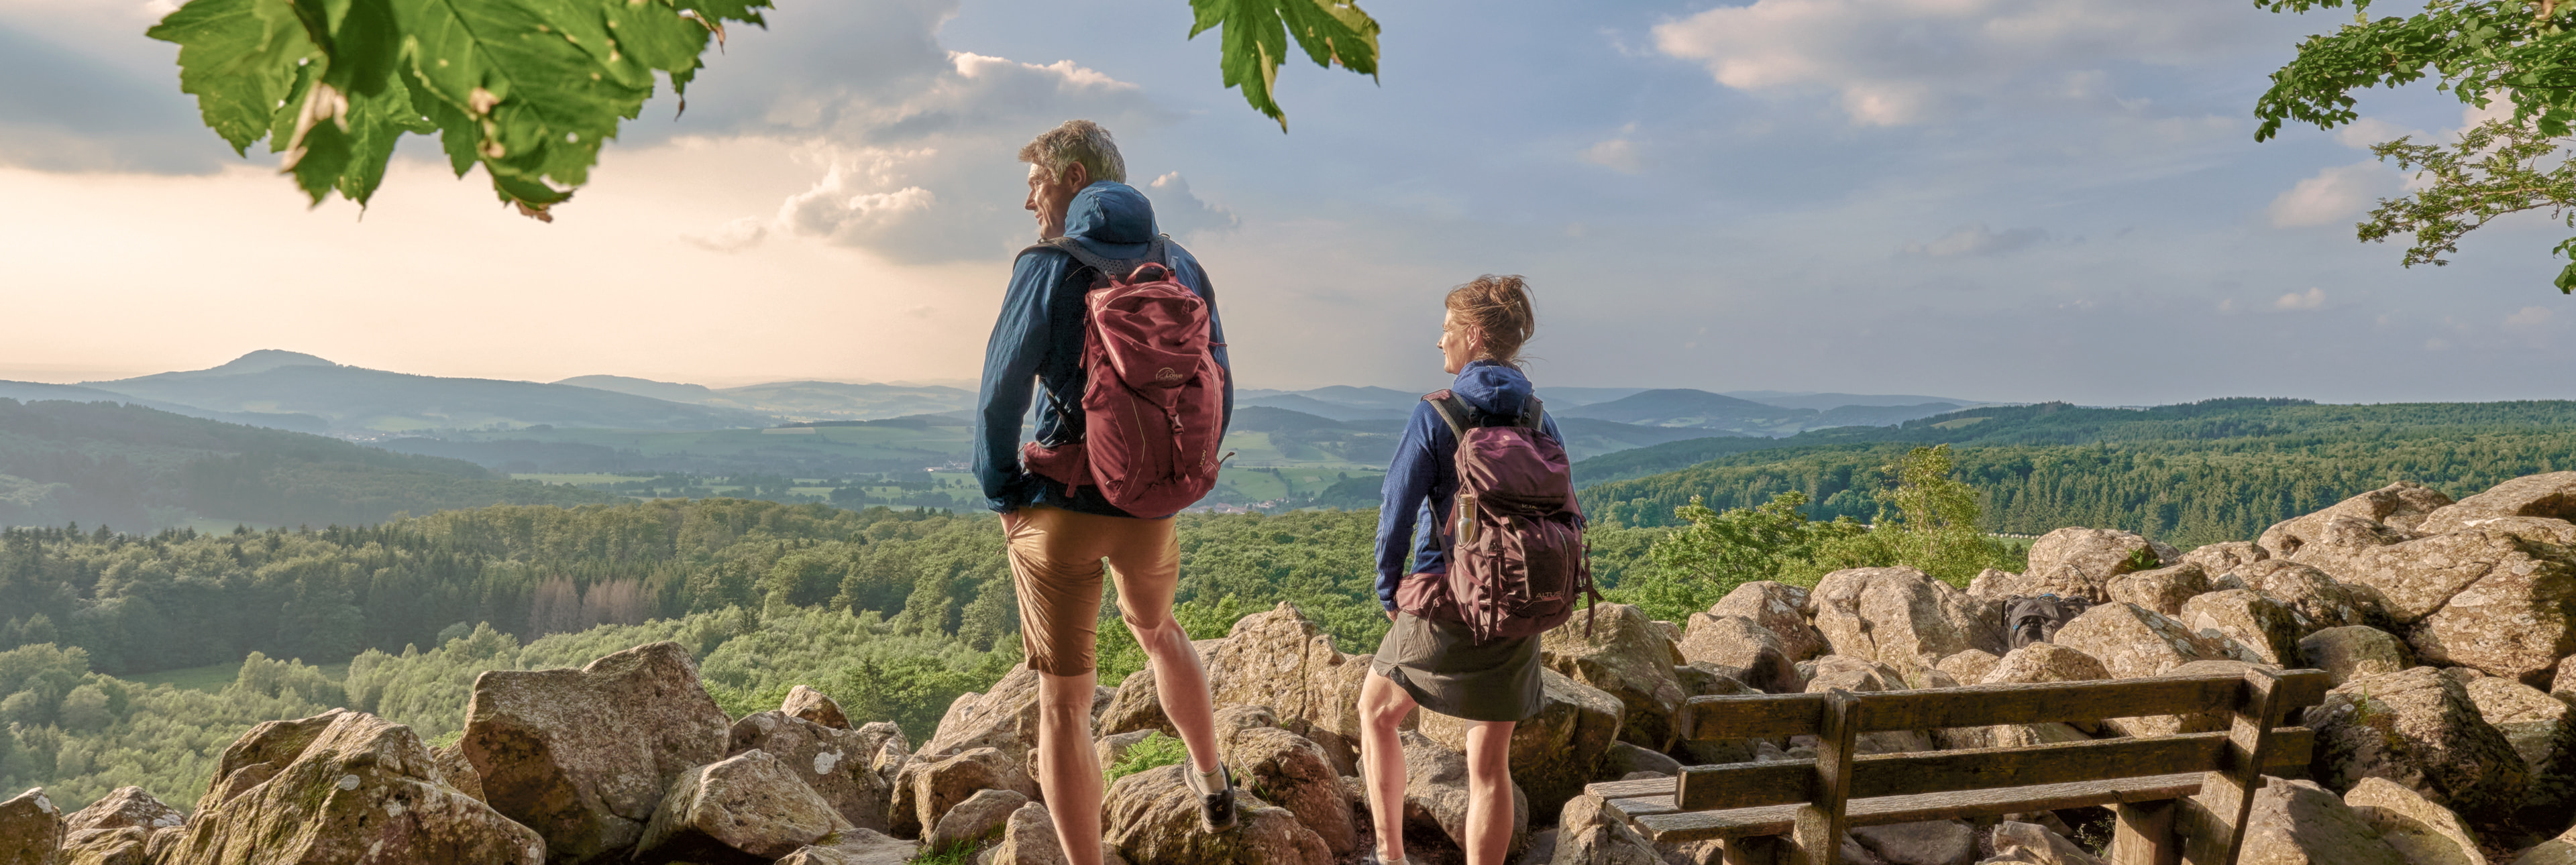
(1216, 810)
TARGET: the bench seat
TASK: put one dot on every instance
(1648, 805)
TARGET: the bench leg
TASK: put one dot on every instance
(1756, 850)
(2144, 835)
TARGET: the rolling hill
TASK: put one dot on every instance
(797, 400)
(358, 401)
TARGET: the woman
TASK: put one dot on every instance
(1434, 662)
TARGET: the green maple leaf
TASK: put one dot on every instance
(1256, 40)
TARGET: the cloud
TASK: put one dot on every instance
(2333, 195)
(1903, 62)
(66, 110)
(1177, 211)
(1617, 154)
(2529, 320)
(734, 236)
(2313, 298)
(1978, 240)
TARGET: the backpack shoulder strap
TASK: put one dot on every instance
(1532, 416)
(1451, 410)
(1114, 268)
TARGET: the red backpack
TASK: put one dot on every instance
(1154, 405)
(1515, 536)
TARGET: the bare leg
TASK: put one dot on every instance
(1068, 769)
(1181, 683)
(1383, 706)
(1489, 792)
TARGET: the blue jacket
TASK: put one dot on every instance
(1038, 340)
(1422, 484)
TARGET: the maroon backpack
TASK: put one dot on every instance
(1154, 405)
(1515, 536)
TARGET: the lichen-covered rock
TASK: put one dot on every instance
(1004, 718)
(1435, 791)
(1556, 752)
(125, 807)
(2221, 559)
(1029, 839)
(1743, 650)
(926, 789)
(126, 845)
(2249, 618)
(1779, 608)
(2163, 590)
(1135, 708)
(1615, 648)
(2477, 598)
(859, 847)
(1280, 659)
(2422, 832)
(1930, 842)
(1290, 771)
(1703, 680)
(1969, 666)
(837, 762)
(2353, 651)
(2019, 841)
(1625, 760)
(584, 756)
(815, 706)
(1902, 617)
(1859, 676)
(2133, 641)
(2542, 730)
(342, 787)
(981, 816)
(31, 829)
(1585, 835)
(2032, 664)
(1153, 819)
(2300, 823)
(2418, 728)
(2315, 595)
(2549, 496)
(457, 770)
(2556, 851)
(2081, 561)
(746, 808)
(2374, 518)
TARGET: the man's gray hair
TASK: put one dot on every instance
(1077, 142)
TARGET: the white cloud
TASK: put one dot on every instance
(2531, 322)
(2313, 298)
(1177, 211)
(2363, 133)
(1901, 62)
(1978, 240)
(1617, 154)
(2333, 195)
(735, 236)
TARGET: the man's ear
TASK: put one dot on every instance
(1076, 176)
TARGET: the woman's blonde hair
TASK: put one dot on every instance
(1498, 307)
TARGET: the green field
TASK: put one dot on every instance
(932, 444)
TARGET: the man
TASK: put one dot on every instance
(1058, 536)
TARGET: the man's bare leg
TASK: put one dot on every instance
(1383, 706)
(1181, 683)
(1068, 768)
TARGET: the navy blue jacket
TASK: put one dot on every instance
(1038, 341)
(1422, 484)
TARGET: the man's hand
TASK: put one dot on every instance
(1390, 615)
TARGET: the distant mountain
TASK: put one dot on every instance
(797, 400)
(1699, 409)
(1569, 397)
(354, 400)
(1880, 415)
(1831, 401)
(28, 391)
(1303, 404)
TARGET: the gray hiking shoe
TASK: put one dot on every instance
(1216, 810)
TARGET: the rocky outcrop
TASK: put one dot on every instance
(2221, 559)
(1833, 672)
(812, 705)
(2017, 841)
(2418, 728)
(1931, 842)
(926, 789)
(748, 808)
(2131, 642)
(2556, 851)
(2549, 496)
(1586, 835)
(1902, 617)
(1615, 648)
(2483, 596)
(1969, 666)
(837, 762)
(1004, 718)
(1280, 659)
(2421, 832)
(2542, 730)
(1435, 792)
(2250, 619)
(1290, 771)
(2080, 561)
(2300, 823)
(342, 787)
(2316, 596)
(980, 817)
(2031, 664)
(457, 770)
(857, 847)
(2353, 651)
(2163, 590)
(1135, 708)
(1153, 819)
(31, 829)
(584, 756)
(1741, 649)
(1555, 753)
(117, 829)
(1779, 608)
(2374, 518)
(1028, 838)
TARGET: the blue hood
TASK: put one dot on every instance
(1112, 219)
(1492, 388)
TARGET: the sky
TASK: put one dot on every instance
(2005, 200)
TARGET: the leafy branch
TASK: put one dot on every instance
(1256, 40)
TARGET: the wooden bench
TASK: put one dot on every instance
(2179, 798)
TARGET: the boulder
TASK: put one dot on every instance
(2250, 619)
(2301, 823)
(2563, 685)
(457, 770)
(2133, 641)
(1290, 771)
(2163, 590)
(2476, 597)
(1280, 659)
(1435, 791)
(2353, 651)
(857, 847)
(125, 807)
(31, 829)
(747, 808)
(837, 762)
(584, 756)
(2221, 559)
(2314, 595)
(2556, 851)
(1779, 608)
(2081, 561)
(1903, 618)
(2017, 841)
(926, 789)
(1931, 842)
(1587, 835)
(164, 846)
(1625, 760)
(1969, 666)
(2418, 728)
(980, 817)
(1859, 676)
(1029, 839)
(342, 787)
(1741, 649)
(1004, 718)
(1556, 752)
(2373, 518)
(1703, 680)
(1616, 648)
(2542, 730)
(127, 845)
(1152, 817)
(2032, 664)
(812, 705)
(2547, 496)
(2422, 832)
(1135, 708)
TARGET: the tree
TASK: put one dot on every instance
(531, 89)
(2481, 51)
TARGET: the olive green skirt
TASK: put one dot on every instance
(1446, 671)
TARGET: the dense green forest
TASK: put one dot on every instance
(2188, 474)
(135, 467)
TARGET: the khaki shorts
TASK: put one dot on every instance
(1055, 564)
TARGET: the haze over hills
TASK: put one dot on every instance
(797, 400)
(358, 402)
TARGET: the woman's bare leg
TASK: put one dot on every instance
(1383, 706)
(1489, 792)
